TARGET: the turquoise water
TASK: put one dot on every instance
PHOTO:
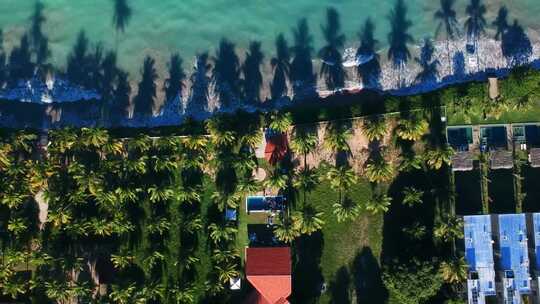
(160, 27)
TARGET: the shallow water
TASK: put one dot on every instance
(160, 27)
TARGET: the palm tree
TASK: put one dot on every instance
(412, 196)
(276, 180)
(379, 171)
(122, 261)
(411, 162)
(416, 231)
(447, 17)
(412, 129)
(336, 138)
(341, 178)
(346, 209)
(286, 230)
(454, 271)
(304, 143)
(308, 220)
(182, 296)
(123, 295)
(306, 179)
(374, 129)
(219, 234)
(280, 121)
(227, 272)
(476, 22)
(439, 156)
(379, 204)
(449, 229)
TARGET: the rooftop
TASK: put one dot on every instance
(514, 249)
(479, 251)
(269, 271)
(501, 159)
(462, 161)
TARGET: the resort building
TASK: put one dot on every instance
(535, 250)
(479, 257)
(268, 270)
(514, 257)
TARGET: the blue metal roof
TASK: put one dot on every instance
(514, 250)
(536, 230)
(479, 250)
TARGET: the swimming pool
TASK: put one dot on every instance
(264, 203)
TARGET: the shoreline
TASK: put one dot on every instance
(489, 60)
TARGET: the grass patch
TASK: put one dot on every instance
(531, 114)
(333, 255)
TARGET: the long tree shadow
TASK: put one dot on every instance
(20, 62)
(369, 68)
(122, 13)
(399, 37)
(226, 74)
(281, 65)
(39, 41)
(516, 45)
(501, 22)
(301, 71)
(447, 18)
(146, 94)
(199, 94)
(430, 66)
(332, 67)
(174, 84)
(307, 276)
(340, 288)
(121, 95)
(458, 64)
(252, 73)
(475, 25)
(367, 278)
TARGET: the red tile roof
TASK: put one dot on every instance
(268, 261)
(276, 148)
(269, 271)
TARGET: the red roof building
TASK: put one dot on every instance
(276, 148)
(269, 271)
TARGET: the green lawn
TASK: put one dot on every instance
(501, 191)
(342, 254)
(531, 114)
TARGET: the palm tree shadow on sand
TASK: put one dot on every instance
(330, 54)
(370, 71)
(398, 38)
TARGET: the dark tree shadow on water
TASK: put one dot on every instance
(39, 41)
(281, 65)
(78, 61)
(330, 54)
(516, 45)
(121, 15)
(3, 63)
(301, 72)
(399, 37)
(120, 105)
(226, 74)
(198, 100)
(252, 73)
(501, 23)
(20, 61)
(144, 101)
(174, 84)
(430, 67)
(307, 276)
(368, 282)
(370, 71)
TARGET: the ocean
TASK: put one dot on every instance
(162, 27)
